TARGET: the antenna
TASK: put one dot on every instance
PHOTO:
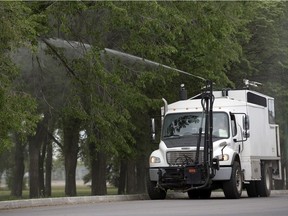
(248, 83)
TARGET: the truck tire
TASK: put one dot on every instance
(264, 186)
(155, 192)
(233, 188)
(251, 189)
(199, 194)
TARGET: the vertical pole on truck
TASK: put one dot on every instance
(207, 105)
(211, 101)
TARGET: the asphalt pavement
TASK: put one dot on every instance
(96, 199)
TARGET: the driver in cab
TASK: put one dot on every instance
(220, 128)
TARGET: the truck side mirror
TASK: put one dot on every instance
(246, 126)
(246, 122)
(153, 133)
(244, 130)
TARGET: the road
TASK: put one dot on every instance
(276, 205)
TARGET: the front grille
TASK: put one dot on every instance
(183, 157)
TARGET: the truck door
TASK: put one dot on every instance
(236, 132)
(240, 130)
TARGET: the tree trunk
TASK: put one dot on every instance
(141, 174)
(48, 169)
(34, 153)
(98, 174)
(122, 177)
(18, 171)
(131, 177)
(71, 130)
(41, 170)
(33, 170)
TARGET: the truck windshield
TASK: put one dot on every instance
(185, 124)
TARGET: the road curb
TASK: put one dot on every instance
(68, 200)
(96, 199)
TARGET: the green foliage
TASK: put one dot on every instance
(17, 114)
(263, 52)
(17, 109)
(104, 99)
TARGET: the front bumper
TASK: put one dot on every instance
(178, 177)
(183, 177)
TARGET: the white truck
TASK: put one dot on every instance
(218, 139)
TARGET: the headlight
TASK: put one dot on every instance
(224, 157)
(154, 159)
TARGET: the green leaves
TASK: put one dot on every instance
(17, 109)
(17, 114)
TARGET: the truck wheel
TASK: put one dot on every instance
(199, 194)
(264, 186)
(251, 189)
(155, 192)
(233, 188)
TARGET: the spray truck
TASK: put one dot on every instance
(216, 140)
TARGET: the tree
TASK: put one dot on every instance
(17, 109)
(71, 130)
(19, 167)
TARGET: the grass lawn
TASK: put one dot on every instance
(57, 191)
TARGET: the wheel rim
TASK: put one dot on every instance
(238, 181)
(267, 179)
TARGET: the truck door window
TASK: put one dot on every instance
(220, 125)
(233, 126)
